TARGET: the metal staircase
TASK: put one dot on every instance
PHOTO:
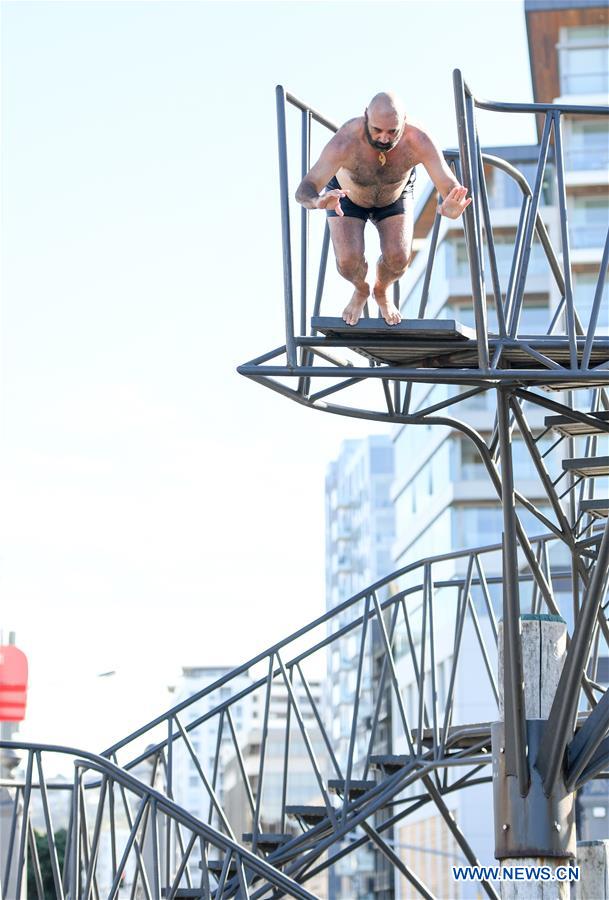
(130, 831)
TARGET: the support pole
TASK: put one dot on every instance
(285, 228)
(511, 676)
(534, 830)
(593, 862)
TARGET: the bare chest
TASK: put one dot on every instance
(371, 182)
(373, 173)
(367, 169)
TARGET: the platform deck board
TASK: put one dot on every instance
(447, 343)
(567, 426)
(589, 466)
(448, 329)
(598, 508)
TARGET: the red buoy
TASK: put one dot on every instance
(13, 683)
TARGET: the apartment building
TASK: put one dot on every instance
(189, 790)
(442, 495)
(359, 537)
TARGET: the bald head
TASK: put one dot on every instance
(384, 121)
(386, 104)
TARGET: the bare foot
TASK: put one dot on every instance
(389, 310)
(353, 310)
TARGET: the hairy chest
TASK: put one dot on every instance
(366, 169)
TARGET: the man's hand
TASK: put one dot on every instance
(455, 203)
(331, 200)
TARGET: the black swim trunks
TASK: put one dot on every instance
(374, 213)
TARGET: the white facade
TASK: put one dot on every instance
(301, 787)
(189, 790)
(359, 536)
(443, 497)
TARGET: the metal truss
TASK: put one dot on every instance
(121, 834)
(432, 351)
(441, 755)
(512, 365)
(403, 673)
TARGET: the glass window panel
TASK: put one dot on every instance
(587, 145)
(479, 525)
(584, 60)
(458, 265)
(506, 191)
(579, 33)
(584, 289)
(588, 221)
(472, 467)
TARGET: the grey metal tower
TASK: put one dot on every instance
(124, 831)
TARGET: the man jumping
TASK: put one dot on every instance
(368, 172)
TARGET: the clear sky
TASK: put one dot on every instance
(158, 509)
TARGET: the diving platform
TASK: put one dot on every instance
(500, 346)
(448, 344)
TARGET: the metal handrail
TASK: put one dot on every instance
(476, 220)
(82, 850)
(335, 613)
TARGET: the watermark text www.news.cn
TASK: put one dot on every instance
(515, 873)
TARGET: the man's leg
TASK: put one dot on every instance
(395, 233)
(347, 234)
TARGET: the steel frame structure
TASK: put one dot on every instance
(443, 755)
(152, 825)
(167, 847)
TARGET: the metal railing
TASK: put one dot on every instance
(432, 615)
(469, 165)
(509, 313)
(404, 620)
(123, 839)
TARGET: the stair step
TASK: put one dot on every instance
(589, 466)
(357, 787)
(421, 329)
(216, 866)
(183, 893)
(598, 508)
(568, 426)
(311, 815)
(389, 762)
(267, 841)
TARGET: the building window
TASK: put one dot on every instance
(588, 221)
(483, 525)
(472, 465)
(583, 60)
(584, 289)
(506, 193)
(458, 265)
(602, 671)
(477, 525)
(534, 318)
(586, 145)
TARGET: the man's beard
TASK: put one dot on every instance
(380, 145)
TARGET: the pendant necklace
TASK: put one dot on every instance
(382, 158)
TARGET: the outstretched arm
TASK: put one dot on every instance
(319, 175)
(453, 194)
